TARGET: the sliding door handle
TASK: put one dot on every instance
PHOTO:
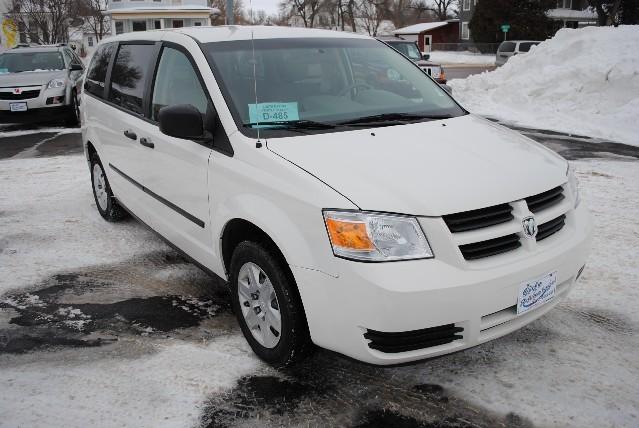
(147, 143)
(130, 134)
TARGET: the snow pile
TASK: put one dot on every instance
(465, 57)
(581, 81)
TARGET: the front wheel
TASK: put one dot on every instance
(267, 305)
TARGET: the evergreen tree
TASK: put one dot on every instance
(527, 20)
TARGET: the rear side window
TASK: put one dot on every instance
(177, 83)
(525, 46)
(129, 76)
(507, 47)
(96, 74)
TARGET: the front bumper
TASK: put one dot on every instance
(415, 295)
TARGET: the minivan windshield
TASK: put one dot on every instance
(323, 83)
(18, 62)
(407, 48)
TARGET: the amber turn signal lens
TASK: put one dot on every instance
(347, 234)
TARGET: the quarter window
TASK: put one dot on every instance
(94, 83)
(129, 76)
(176, 82)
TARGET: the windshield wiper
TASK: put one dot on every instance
(293, 124)
(393, 117)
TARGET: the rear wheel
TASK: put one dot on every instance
(267, 305)
(104, 200)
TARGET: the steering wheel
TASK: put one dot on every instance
(349, 88)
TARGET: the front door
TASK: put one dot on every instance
(176, 172)
(427, 44)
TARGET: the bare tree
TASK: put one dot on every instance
(371, 13)
(307, 10)
(92, 13)
(443, 8)
(256, 17)
(46, 21)
(238, 12)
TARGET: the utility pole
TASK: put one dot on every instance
(229, 12)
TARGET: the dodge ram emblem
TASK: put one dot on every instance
(530, 227)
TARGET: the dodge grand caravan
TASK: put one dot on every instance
(345, 197)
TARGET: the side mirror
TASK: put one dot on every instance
(181, 121)
(76, 67)
(426, 57)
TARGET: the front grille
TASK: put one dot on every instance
(545, 200)
(24, 95)
(491, 247)
(393, 343)
(477, 219)
(551, 227)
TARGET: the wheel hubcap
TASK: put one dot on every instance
(99, 187)
(260, 308)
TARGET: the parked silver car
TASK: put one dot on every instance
(40, 83)
(511, 48)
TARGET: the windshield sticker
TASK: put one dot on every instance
(273, 112)
(4, 70)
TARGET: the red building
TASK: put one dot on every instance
(427, 33)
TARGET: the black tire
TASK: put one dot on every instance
(112, 211)
(294, 342)
(73, 115)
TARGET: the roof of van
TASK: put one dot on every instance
(222, 33)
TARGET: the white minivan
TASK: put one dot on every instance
(345, 197)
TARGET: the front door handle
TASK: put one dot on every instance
(130, 134)
(147, 143)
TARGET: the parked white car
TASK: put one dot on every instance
(511, 48)
(347, 199)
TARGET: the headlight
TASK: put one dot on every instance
(573, 184)
(376, 237)
(56, 83)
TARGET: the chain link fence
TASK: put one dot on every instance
(484, 48)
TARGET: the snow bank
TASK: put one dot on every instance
(581, 81)
(446, 57)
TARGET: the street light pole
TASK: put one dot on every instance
(229, 12)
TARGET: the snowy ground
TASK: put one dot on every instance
(581, 81)
(103, 325)
(464, 57)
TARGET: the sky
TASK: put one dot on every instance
(269, 6)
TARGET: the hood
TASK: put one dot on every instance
(30, 78)
(429, 168)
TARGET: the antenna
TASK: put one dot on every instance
(257, 116)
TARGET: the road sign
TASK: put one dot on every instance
(505, 28)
